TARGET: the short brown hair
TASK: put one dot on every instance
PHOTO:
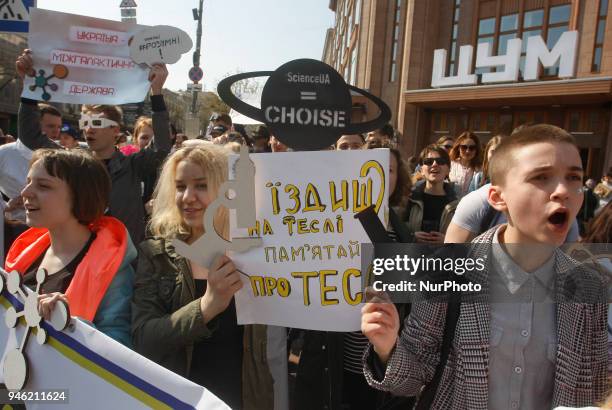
(86, 177)
(112, 112)
(503, 159)
(48, 109)
(434, 148)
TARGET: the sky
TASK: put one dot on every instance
(237, 35)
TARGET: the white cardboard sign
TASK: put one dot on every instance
(159, 44)
(307, 273)
(83, 60)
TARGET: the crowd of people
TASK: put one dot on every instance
(100, 213)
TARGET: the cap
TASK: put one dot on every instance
(67, 129)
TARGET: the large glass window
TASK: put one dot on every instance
(533, 18)
(509, 23)
(395, 40)
(486, 34)
(601, 33)
(498, 30)
(558, 23)
(354, 66)
(453, 57)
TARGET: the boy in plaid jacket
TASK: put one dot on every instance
(524, 354)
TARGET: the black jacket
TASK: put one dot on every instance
(319, 374)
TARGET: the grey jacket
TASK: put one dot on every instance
(127, 173)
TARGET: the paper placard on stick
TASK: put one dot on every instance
(83, 60)
(306, 274)
(159, 44)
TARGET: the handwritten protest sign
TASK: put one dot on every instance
(79, 59)
(307, 272)
(87, 369)
(159, 44)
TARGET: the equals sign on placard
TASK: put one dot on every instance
(308, 95)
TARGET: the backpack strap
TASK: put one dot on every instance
(453, 310)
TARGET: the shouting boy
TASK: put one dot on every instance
(526, 354)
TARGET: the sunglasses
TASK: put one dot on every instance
(430, 161)
(467, 147)
(447, 147)
(95, 121)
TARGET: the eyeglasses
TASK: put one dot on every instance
(464, 147)
(448, 147)
(96, 121)
(430, 161)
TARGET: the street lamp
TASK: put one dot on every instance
(197, 15)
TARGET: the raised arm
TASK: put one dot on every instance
(28, 119)
(149, 159)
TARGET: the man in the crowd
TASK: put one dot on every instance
(603, 190)
(261, 139)
(50, 121)
(350, 142)
(221, 119)
(69, 138)
(218, 120)
(15, 160)
(384, 134)
(101, 127)
(217, 131)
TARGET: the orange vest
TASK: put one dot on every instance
(95, 272)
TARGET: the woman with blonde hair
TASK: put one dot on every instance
(143, 134)
(184, 316)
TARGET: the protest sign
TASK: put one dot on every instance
(306, 274)
(159, 44)
(83, 368)
(305, 103)
(83, 60)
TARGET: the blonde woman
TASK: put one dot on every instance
(184, 316)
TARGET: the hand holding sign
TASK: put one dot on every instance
(159, 44)
(24, 64)
(158, 76)
(223, 282)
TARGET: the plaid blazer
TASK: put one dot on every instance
(581, 359)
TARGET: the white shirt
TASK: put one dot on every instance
(14, 163)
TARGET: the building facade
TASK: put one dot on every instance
(388, 47)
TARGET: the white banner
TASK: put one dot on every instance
(307, 272)
(83, 60)
(95, 371)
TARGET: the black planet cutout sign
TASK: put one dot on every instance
(305, 103)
